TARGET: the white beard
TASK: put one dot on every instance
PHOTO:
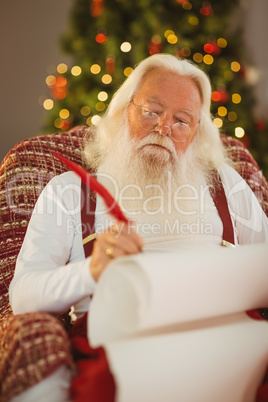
(155, 186)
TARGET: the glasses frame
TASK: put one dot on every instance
(141, 107)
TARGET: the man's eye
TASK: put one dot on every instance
(150, 113)
(182, 121)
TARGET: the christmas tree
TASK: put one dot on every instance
(107, 38)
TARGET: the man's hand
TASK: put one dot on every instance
(116, 241)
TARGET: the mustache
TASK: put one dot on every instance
(157, 139)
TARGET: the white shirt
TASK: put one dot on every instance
(52, 273)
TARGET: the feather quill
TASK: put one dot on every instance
(112, 205)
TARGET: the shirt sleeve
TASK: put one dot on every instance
(250, 221)
(51, 272)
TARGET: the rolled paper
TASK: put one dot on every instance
(153, 290)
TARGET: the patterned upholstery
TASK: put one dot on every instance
(23, 173)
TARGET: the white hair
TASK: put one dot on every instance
(211, 151)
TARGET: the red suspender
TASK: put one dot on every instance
(218, 195)
(88, 206)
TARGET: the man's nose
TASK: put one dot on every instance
(165, 125)
(164, 129)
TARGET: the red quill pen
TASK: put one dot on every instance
(90, 181)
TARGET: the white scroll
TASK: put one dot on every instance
(174, 327)
(160, 289)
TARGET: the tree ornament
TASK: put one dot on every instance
(155, 45)
(110, 65)
(59, 89)
(96, 7)
(206, 9)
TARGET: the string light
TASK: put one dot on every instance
(235, 66)
(236, 98)
(193, 20)
(59, 86)
(128, 71)
(88, 121)
(62, 68)
(102, 96)
(57, 123)
(239, 132)
(216, 96)
(100, 106)
(95, 119)
(50, 80)
(95, 69)
(187, 5)
(125, 47)
(206, 9)
(198, 57)
(221, 42)
(106, 79)
(222, 111)
(208, 59)
(209, 48)
(172, 39)
(76, 70)
(48, 104)
(218, 122)
(101, 38)
(64, 114)
(168, 32)
(232, 116)
(85, 110)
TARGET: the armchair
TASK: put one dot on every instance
(24, 172)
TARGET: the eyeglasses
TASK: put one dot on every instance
(150, 120)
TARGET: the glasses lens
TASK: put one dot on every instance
(180, 132)
(149, 120)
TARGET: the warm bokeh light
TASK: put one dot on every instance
(232, 116)
(168, 32)
(218, 122)
(76, 70)
(62, 68)
(128, 71)
(102, 96)
(235, 66)
(106, 79)
(172, 39)
(198, 57)
(221, 42)
(125, 47)
(185, 52)
(208, 59)
(95, 120)
(100, 106)
(64, 113)
(50, 80)
(57, 123)
(85, 110)
(239, 132)
(187, 5)
(101, 38)
(236, 98)
(222, 111)
(193, 20)
(48, 104)
(95, 69)
(208, 47)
